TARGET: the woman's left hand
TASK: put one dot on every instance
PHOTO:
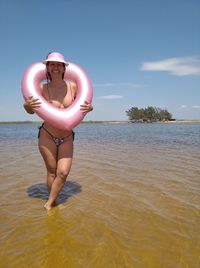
(86, 107)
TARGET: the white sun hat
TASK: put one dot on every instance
(55, 56)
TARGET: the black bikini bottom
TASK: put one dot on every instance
(58, 141)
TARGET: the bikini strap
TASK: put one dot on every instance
(53, 137)
(70, 89)
(40, 127)
(47, 131)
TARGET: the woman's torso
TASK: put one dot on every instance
(61, 97)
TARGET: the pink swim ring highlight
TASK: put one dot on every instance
(66, 118)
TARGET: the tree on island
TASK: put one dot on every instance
(149, 114)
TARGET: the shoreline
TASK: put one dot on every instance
(103, 122)
(181, 121)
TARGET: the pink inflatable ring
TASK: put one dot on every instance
(66, 118)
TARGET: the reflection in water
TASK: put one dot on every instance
(56, 241)
(40, 190)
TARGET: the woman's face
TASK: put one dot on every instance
(55, 69)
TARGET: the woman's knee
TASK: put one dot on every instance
(51, 173)
(62, 173)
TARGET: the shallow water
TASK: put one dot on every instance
(132, 199)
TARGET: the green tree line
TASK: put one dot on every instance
(148, 114)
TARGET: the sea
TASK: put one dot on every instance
(131, 200)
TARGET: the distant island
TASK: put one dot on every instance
(149, 114)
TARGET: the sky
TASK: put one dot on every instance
(137, 53)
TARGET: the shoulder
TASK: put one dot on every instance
(73, 87)
(72, 84)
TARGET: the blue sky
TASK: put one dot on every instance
(136, 52)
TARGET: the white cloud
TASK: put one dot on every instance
(196, 106)
(176, 66)
(104, 85)
(129, 85)
(110, 97)
(183, 106)
(186, 106)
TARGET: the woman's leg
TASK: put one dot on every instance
(64, 162)
(48, 150)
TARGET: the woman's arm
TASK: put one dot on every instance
(73, 89)
(31, 104)
(86, 107)
(28, 109)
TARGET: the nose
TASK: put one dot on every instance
(55, 67)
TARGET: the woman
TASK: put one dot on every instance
(55, 145)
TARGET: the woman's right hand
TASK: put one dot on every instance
(31, 104)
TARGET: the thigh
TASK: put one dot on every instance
(65, 155)
(48, 150)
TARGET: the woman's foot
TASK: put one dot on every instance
(48, 207)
